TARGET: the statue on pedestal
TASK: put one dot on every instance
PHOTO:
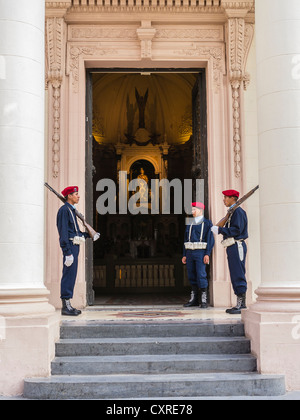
(143, 186)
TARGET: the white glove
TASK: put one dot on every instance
(215, 230)
(96, 237)
(69, 260)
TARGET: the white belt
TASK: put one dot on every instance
(195, 245)
(78, 240)
(231, 241)
(228, 242)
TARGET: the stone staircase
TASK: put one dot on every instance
(174, 360)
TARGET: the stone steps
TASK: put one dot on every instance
(153, 386)
(152, 364)
(146, 360)
(152, 345)
(79, 329)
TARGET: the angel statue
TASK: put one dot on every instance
(141, 101)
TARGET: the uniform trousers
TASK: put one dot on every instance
(196, 269)
(69, 274)
(237, 269)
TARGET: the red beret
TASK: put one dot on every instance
(199, 205)
(231, 193)
(69, 190)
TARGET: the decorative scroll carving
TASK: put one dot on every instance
(240, 36)
(75, 52)
(54, 36)
(249, 35)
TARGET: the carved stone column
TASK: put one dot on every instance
(273, 322)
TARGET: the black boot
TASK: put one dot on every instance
(194, 301)
(240, 304)
(67, 308)
(203, 304)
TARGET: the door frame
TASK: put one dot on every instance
(202, 164)
(200, 170)
(89, 211)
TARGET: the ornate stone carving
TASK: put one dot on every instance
(240, 36)
(58, 4)
(236, 29)
(54, 76)
(248, 5)
(249, 35)
(96, 32)
(148, 6)
(235, 84)
(216, 54)
(76, 51)
(236, 35)
(145, 34)
(200, 34)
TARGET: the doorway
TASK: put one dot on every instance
(142, 125)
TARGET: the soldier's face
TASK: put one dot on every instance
(196, 212)
(229, 201)
(73, 198)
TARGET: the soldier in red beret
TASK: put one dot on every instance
(235, 232)
(70, 239)
(198, 245)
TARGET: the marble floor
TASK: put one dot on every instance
(146, 299)
(154, 314)
(149, 308)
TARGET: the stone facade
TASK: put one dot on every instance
(213, 34)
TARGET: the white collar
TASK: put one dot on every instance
(199, 219)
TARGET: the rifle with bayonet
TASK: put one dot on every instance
(80, 216)
(231, 209)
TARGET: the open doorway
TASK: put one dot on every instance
(144, 126)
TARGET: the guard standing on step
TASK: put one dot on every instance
(235, 232)
(70, 239)
(198, 245)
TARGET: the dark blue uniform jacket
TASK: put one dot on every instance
(238, 226)
(66, 228)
